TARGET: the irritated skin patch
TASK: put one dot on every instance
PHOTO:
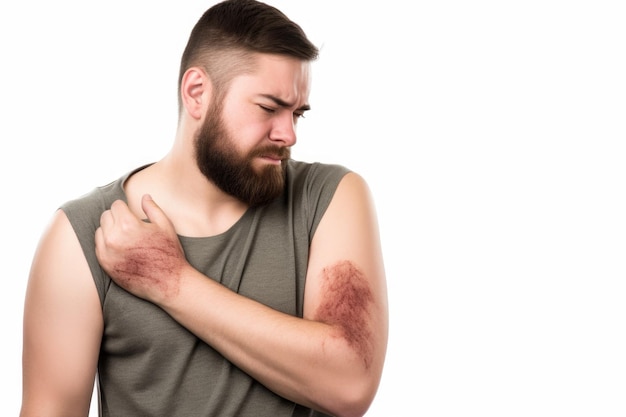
(347, 299)
(154, 263)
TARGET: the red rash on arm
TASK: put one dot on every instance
(155, 262)
(347, 298)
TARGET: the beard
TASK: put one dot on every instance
(234, 173)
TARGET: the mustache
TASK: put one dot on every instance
(281, 152)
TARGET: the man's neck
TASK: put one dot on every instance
(196, 207)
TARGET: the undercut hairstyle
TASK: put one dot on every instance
(225, 39)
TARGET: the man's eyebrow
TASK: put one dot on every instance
(282, 103)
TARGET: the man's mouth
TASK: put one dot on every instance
(272, 159)
(273, 155)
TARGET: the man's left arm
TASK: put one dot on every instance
(346, 289)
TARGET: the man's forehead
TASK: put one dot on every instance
(284, 80)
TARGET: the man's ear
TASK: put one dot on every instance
(195, 91)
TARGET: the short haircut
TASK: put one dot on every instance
(225, 39)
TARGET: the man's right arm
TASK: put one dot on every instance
(62, 327)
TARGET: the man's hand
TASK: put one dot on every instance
(145, 258)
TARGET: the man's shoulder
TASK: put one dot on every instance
(300, 171)
(313, 183)
(99, 199)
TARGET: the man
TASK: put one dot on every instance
(226, 279)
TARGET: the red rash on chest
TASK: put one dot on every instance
(153, 262)
(347, 298)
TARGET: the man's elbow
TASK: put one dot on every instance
(356, 398)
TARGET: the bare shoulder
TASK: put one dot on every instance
(59, 256)
(60, 281)
(62, 324)
(349, 228)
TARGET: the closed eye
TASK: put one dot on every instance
(267, 109)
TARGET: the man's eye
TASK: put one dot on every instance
(298, 115)
(267, 109)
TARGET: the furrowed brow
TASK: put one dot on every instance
(282, 103)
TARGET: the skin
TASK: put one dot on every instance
(330, 360)
(347, 299)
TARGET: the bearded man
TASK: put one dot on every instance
(225, 279)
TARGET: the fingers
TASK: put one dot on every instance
(119, 219)
(119, 210)
(99, 241)
(108, 218)
(153, 211)
(117, 214)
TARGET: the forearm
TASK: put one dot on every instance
(330, 360)
(306, 361)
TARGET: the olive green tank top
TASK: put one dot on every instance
(150, 365)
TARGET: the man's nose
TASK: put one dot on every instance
(284, 129)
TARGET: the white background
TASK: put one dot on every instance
(492, 135)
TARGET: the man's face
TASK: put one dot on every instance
(245, 140)
(233, 171)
